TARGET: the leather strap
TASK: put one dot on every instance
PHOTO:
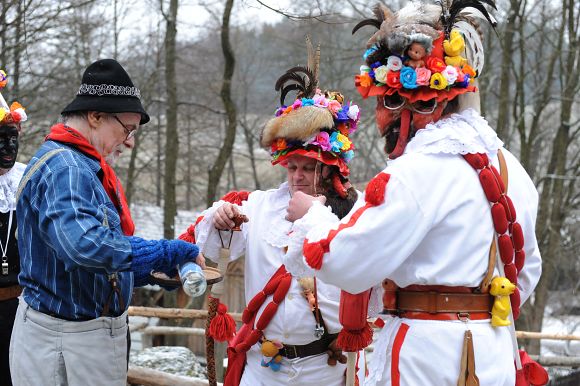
(11, 292)
(463, 316)
(443, 302)
(316, 347)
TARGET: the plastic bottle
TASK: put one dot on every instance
(192, 279)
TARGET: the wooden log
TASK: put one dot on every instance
(174, 313)
(165, 330)
(542, 335)
(557, 361)
(147, 377)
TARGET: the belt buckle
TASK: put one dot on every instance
(291, 353)
(463, 316)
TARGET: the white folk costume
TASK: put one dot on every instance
(279, 318)
(424, 223)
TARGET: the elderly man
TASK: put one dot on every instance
(10, 175)
(427, 220)
(79, 260)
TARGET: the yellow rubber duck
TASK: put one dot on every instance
(455, 45)
(501, 288)
(455, 61)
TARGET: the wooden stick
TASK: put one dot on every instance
(542, 335)
(350, 368)
(174, 313)
(166, 330)
(148, 377)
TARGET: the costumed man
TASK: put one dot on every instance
(10, 175)
(79, 261)
(428, 219)
(291, 321)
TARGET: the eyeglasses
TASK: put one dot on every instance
(129, 131)
(396, 102)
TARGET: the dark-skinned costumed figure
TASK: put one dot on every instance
(445, 233)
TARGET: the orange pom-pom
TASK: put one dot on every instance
(375, 190)
(16, 105)
(355, 340)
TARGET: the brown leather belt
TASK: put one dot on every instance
(447, 305)
(10, 292)
(306, 350)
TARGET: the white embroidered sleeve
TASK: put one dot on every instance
(207, 237)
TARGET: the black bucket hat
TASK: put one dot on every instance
(106, 87)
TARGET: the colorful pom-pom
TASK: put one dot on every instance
(223, 326)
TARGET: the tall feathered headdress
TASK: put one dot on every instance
(317, 124)
(424, 51)
(14, 114)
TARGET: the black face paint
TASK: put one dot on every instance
(8, 146)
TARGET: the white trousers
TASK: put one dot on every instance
(428, 352)
(46, 351)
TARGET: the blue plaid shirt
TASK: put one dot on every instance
(70, 238)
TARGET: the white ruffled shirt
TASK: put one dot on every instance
(435, 226)
(9, 186)
(262, 240)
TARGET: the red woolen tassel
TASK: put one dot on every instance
(511, 273)
(476, 160)
(188, 235)
(355, 340)
(222, 326)
(313, 254)
(520, 260)
(518, 236)
(489, 185)
(506, 249)
(500, 221)
(375, 190)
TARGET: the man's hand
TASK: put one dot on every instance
(299, 205)
(200, 260)
(224, 216)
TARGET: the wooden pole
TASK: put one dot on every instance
(167, 330)
(174, 313)
(147, 377)
(541, 335)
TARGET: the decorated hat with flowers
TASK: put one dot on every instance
(318, 124)
(424, 51)
(14, 114)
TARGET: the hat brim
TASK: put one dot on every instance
(110, 104)
(322, 156)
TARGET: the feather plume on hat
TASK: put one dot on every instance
(317, 124)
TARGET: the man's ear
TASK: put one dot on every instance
(95, 118)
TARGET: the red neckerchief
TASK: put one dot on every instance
(68, 135)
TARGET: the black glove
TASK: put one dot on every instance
(159, 255)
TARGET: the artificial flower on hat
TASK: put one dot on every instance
(14, 114)
(425, 48)
(318, 124)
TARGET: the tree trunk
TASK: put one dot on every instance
(132, 168)
(225, 152)
(171, 144)
(506, 65)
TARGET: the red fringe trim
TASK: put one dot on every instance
(223, 326)
(355, 340)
